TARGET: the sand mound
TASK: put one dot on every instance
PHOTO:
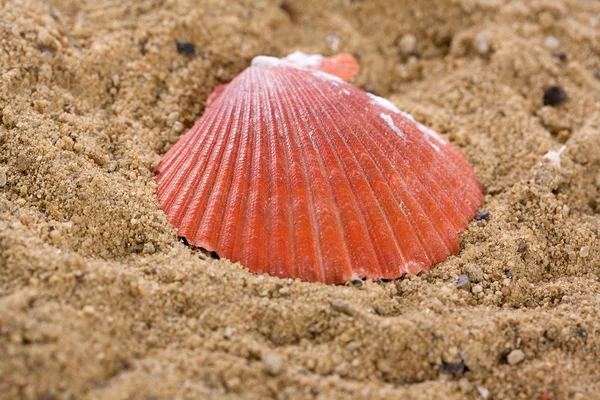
(98, 298)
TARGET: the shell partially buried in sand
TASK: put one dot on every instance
(296, 173)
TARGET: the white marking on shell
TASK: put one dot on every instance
(431, 135)
(380, 101)
(324, 75)
(266, 61)
(347, 92)
(388, 119)
(305, 60)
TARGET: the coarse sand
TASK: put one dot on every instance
(100, 300)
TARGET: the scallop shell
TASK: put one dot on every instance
(295, 173)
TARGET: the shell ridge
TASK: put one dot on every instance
(279, 167)
(177, 174)
(310, 142)
(218, 203)
(458, 188)
(238, 242)
(382, 214)
(420, 176)
(428, 135)
(252, 252)
(197, 199)
(448, 184)
(285, 107)
(169, 166)
(394, 157)
(233, 219)
(361, 214)
(359, 139)
(186, 139)
(192, 169)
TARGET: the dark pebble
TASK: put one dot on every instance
(522, 247)
(582, 333)
(597, 73)
(186, 48)
(561, 55)
(508, 273)
(463, 283)
(377, 310)
(481, 215)
(554, 96)
(357, 283)
(455, 369)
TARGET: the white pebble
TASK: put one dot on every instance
(334, 42)
(177, 126)
(89, 310)
(551, 42)
(485, 394)
(482, 43)
(584, 252)
(408, 44)
(515, 357)
(273, 364)
(2, 177)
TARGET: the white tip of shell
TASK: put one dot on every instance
(305, 60)
(265, 61)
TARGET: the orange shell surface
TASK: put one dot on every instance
(297, 174)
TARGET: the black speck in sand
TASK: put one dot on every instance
(186, 48)
(554, 95)
(481, 215)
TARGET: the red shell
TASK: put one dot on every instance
(295, 173)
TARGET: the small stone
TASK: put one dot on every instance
(44, 39)
(482, 43)
(177, 126)
(149, 248)
(22, 162)
(408, 44)
(522, 247)
(463, 283)
(583, 252)
(342, 306)
(476, 289)
(54, 235)
(456, 369)
(355, 281)
(89, 310)
(551, 42)
(186, 48)
(2, 177)
(116, 80)
(483, 392)
(273, 364)
(561, 55)
(515, 357)
(229, 331)
(482, 215)
(597, 73)
(554, 96)
(582, 333)
(173, 117)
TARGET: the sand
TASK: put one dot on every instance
(100, 300)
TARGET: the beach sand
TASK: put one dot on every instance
(100, 300)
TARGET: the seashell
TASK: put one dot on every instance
(295, 173)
